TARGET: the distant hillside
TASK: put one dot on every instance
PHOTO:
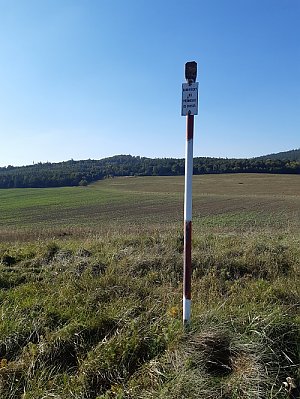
(74, 173)
(292, 155)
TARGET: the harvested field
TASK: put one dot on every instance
(240, 201)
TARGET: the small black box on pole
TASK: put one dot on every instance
(191, 71)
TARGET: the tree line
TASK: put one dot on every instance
(81, 173)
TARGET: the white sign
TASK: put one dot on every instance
(189, 104)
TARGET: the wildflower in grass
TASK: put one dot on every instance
(174, 311)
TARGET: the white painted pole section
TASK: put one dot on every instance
(186, 310)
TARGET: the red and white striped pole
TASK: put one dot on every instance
(189, 108)
(187, 270)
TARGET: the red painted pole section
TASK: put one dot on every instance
(187, 268)
(190, 127)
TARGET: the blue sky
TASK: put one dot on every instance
(95, 78)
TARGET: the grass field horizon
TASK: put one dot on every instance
(91, 290)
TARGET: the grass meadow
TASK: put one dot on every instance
(91, 288)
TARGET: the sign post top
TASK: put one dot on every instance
(191, 71)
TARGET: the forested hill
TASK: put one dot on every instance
(74, 173)
(292, 155)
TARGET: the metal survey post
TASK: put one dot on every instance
(189, 108)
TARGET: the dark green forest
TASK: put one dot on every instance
(74, 173)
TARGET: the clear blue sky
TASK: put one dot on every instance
(94, 78)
